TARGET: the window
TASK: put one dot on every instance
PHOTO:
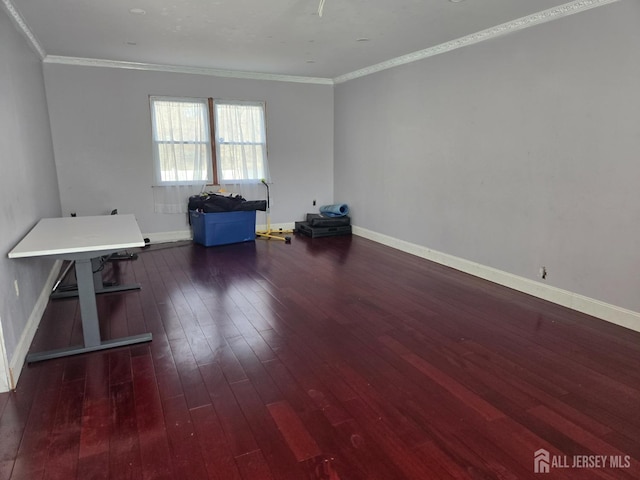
(183, 147)
(181, 141)
(241, 144)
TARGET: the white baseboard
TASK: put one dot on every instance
(596, 308)
(22, 348)
(275, 227)
(5, 383)
(167, 237)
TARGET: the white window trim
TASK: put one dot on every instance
(222, 101)
(158, 182)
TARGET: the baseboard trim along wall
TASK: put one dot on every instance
(168, 237)
(22, 348)
(596, 308)
(5, 374)
(276, 227)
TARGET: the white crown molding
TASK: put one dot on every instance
(509, 27)
(544, 16)
(214, 72)
(17, 18)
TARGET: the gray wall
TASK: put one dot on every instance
(28, 184)
(102, 139)
(514, 153)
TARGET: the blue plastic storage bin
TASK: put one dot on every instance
(211, 229)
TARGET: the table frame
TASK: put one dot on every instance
(98, 283)
(85, 253)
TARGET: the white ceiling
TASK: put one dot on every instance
(285, 37)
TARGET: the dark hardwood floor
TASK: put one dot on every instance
(331, 358)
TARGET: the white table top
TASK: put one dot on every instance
(74, 235)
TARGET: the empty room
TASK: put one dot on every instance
(320, 239)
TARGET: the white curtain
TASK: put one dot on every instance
(182, 151)
(182, 141)
(241, 144)
(174, 198)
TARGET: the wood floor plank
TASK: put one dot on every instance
(95, 433)
(27, 417)
(12, 427)
(195, 391)
(124, 447)
(480, 405)
(278, 456)
(94, 466)
(335, 358)
(384, 434)
(357, 455)
(119, 366)
(255, 371)
(590, 441)
(233, 370)
(253, 466)
(186, 456)
(62, 460)
(234, 424)
(155, 453)
(213, 444)
(294, 432)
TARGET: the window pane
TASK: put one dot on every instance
(181, 136)
(189, 162)
(242, 162)
(181, 121)
(240, 123)
(240, 141)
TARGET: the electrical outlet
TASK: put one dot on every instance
(543, 272)
(314, 203)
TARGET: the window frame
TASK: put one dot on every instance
(213, 166)
(210, 163)
(216, 151)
